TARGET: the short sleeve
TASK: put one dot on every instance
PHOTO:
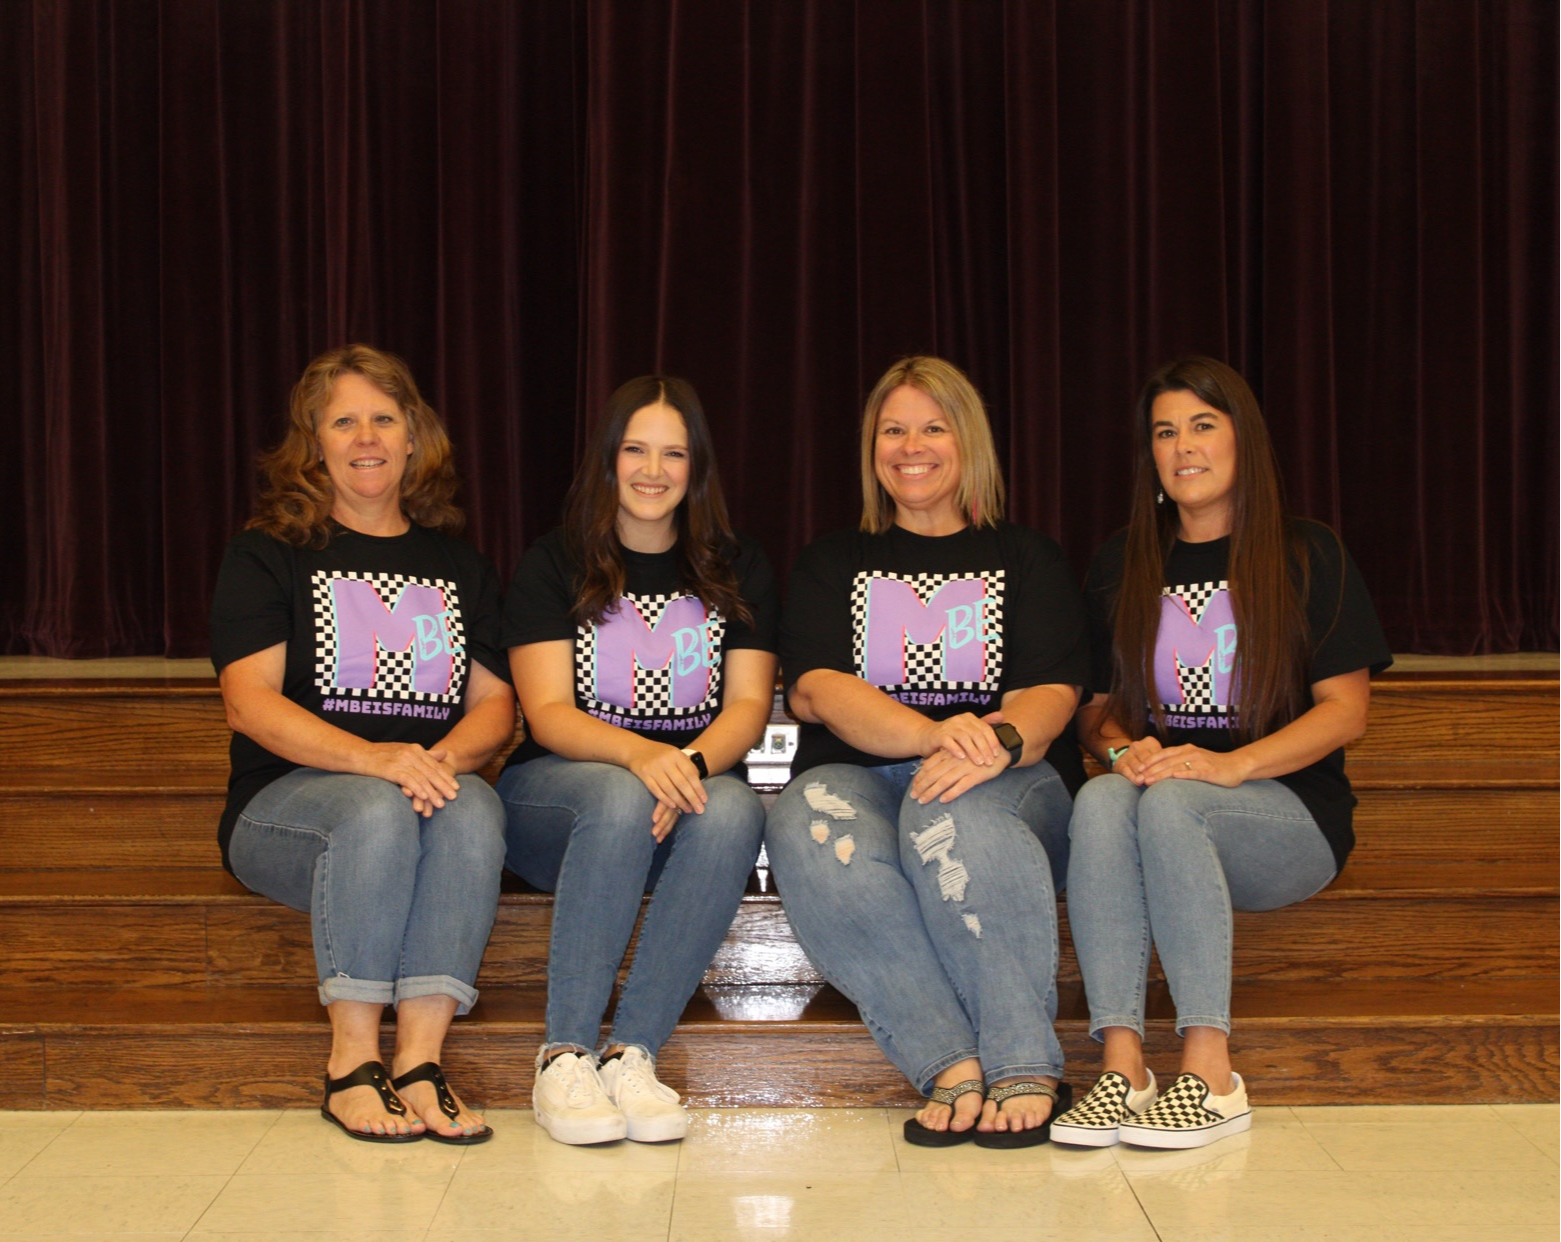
(815, 629)
(485, 619)
(1100, 590)
(756, 584)
(1346, 635)
(540, 596)
(252, 606)
(1044, 632)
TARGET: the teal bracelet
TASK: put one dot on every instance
(1113, 753)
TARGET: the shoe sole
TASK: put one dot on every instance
(1086, 1136)
(583, 1133)
(1179, 1140)
(657, 1129)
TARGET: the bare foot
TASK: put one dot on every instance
(965, 1110)
(362, 1109)
(1017, 1112)
(422, 1098)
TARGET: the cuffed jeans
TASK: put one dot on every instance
(582, 831)
(940, 921)
(1167, 864)
(401, 906)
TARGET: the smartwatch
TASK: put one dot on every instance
(1008, 738)
(698, 761)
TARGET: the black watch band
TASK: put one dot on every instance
(698, 761)
(1009, 738)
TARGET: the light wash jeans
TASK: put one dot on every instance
(938, 921)
(1170, 862)
(401, 906)
(582, 831)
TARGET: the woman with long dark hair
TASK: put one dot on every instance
(935, 656)
(356, 641)
(642, 636)
(1237, 644)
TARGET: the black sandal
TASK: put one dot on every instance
(1061, 1097)
(919, 1135)
(369, 1074)
(429, 1071)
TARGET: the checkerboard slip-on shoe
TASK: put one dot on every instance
(1094, 1120)
(1189, 1115)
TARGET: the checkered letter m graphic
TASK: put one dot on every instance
(896, 617)
(678, 642)
(1194, 638)
(416, 623)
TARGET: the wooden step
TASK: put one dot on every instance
(96, 825)
(797, 1046)
(1487, 921)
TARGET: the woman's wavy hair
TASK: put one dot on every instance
(296, 492)
(980, 495)
(705, 544)
(1267, 573)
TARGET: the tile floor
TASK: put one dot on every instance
(1428, 1174)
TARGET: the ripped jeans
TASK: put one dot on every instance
(938, 921)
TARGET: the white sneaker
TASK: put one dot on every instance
(1189, 1115)
(568, 1102)
(651, 1108)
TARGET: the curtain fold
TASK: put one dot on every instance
(1353, 203)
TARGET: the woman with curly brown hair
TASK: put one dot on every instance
(356, 642)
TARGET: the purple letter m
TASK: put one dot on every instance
(895, 616)
(363, 624)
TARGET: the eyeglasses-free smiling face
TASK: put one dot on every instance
(653, 468)
(916, 459)
(1195, 456)
(365, 441)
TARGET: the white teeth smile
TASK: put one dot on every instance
(914, 471)
(1191, 470)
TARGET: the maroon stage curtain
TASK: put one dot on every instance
(1353, 203)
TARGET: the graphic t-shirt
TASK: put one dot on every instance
(654, 664)
(944, 624)
(1195, 653)
(380, 635)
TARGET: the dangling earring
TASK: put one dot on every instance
(1160, 498)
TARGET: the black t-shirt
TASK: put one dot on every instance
(379, 633)
(654, 663)
(1195, 651)
(943, 624)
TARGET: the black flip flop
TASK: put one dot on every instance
(1062, 1100)
(369, 1074)
(429, 1071)
(919, 1135)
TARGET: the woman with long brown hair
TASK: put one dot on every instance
(642, 636)
(356, 641)
(1237, 644)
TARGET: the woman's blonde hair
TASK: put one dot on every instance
(980, 496)
(296, 492)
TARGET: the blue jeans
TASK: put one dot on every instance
(1171, 862)
(401, 906)
(938, 921)
(582, 831)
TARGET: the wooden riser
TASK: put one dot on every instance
(1417, 738)
(264, 1048)
(248, 940)
(99, 827)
